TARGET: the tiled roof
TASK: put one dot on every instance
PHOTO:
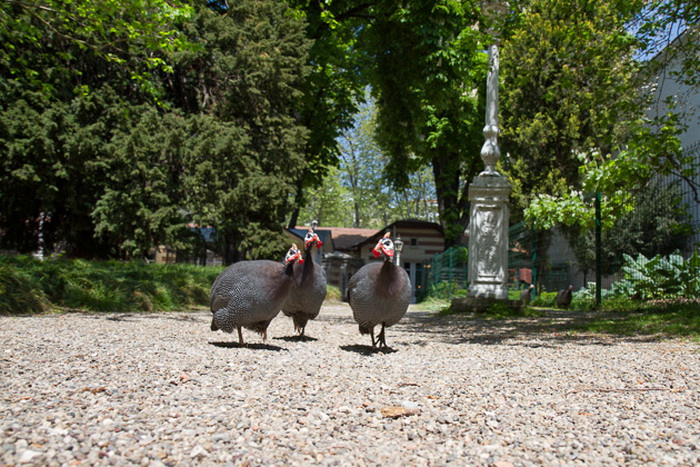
(346, 238)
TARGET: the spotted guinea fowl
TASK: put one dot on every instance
(379, 293)
(308, 287)
(564, 297)
(249, 294)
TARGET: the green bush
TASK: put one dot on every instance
(660, 277)
(18, 294)
(102, 285)
(544, 299)
(441, 291)
(333, 293)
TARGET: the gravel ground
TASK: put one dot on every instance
(162, 389)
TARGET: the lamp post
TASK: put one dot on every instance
(398, 244)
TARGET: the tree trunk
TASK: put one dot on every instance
(231, 253)
(453, 208)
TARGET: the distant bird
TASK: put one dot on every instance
(379, 293)
(526, 293)
(564, 297)
(308, 287)
(249, 294)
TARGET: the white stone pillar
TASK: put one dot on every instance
(488, 237)
(489, 215)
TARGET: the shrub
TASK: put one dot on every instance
(661, 277)
(333, 293)
(18, 294)
(544, 299)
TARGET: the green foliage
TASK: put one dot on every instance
(18, 294)
(120, 126)
(103, 286)
(544, 299)
(333, 293)
(562, 99)
(658, 224)
(669, 276)
(356, 193)
(444, 291)
(596, 137)
(503, 311)
(426, 66)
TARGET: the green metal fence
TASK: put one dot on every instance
(446, 273)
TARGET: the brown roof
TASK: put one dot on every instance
(345, 238)
(406, 224)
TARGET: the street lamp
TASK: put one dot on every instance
(398, 244)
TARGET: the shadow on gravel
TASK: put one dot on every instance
(365, 349)
(236, 345)
(296, 338)
(120, 316)
(552, 330)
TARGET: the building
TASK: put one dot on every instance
(346, 250)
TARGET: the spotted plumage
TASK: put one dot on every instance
(249, 294)
(308, 288)
(379, 293)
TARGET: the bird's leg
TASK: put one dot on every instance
(240, 336)
(382, 337)
(371, 334)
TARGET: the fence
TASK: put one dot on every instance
(445, 275)
(666, 220)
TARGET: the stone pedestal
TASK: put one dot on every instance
(488, 237)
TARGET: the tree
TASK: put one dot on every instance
(69, 73)
(366, 200)
(425, 71)
(333, 87)
(246, 153)
(116, 125)
(575, 125)
(569, 88)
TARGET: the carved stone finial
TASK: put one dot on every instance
(490, 152)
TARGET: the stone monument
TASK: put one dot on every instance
(489, 216)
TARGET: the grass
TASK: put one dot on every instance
(29, 285)
(672, 319)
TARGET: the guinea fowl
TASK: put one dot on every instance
(308, 287)
(249, 294)
(379, 293)
(526, 293)
(564, 297)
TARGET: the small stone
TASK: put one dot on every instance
(395, 411)
(198, 452)
(502, 464)
(28, 456)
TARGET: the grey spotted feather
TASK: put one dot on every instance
(249, 294)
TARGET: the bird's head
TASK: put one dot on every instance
(384, 245)
(293, 254)
(312, 238)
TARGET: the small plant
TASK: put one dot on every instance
(545, 299)
(18, 294)
(661, 277)
(333, 293)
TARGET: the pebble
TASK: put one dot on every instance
(162, 389)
